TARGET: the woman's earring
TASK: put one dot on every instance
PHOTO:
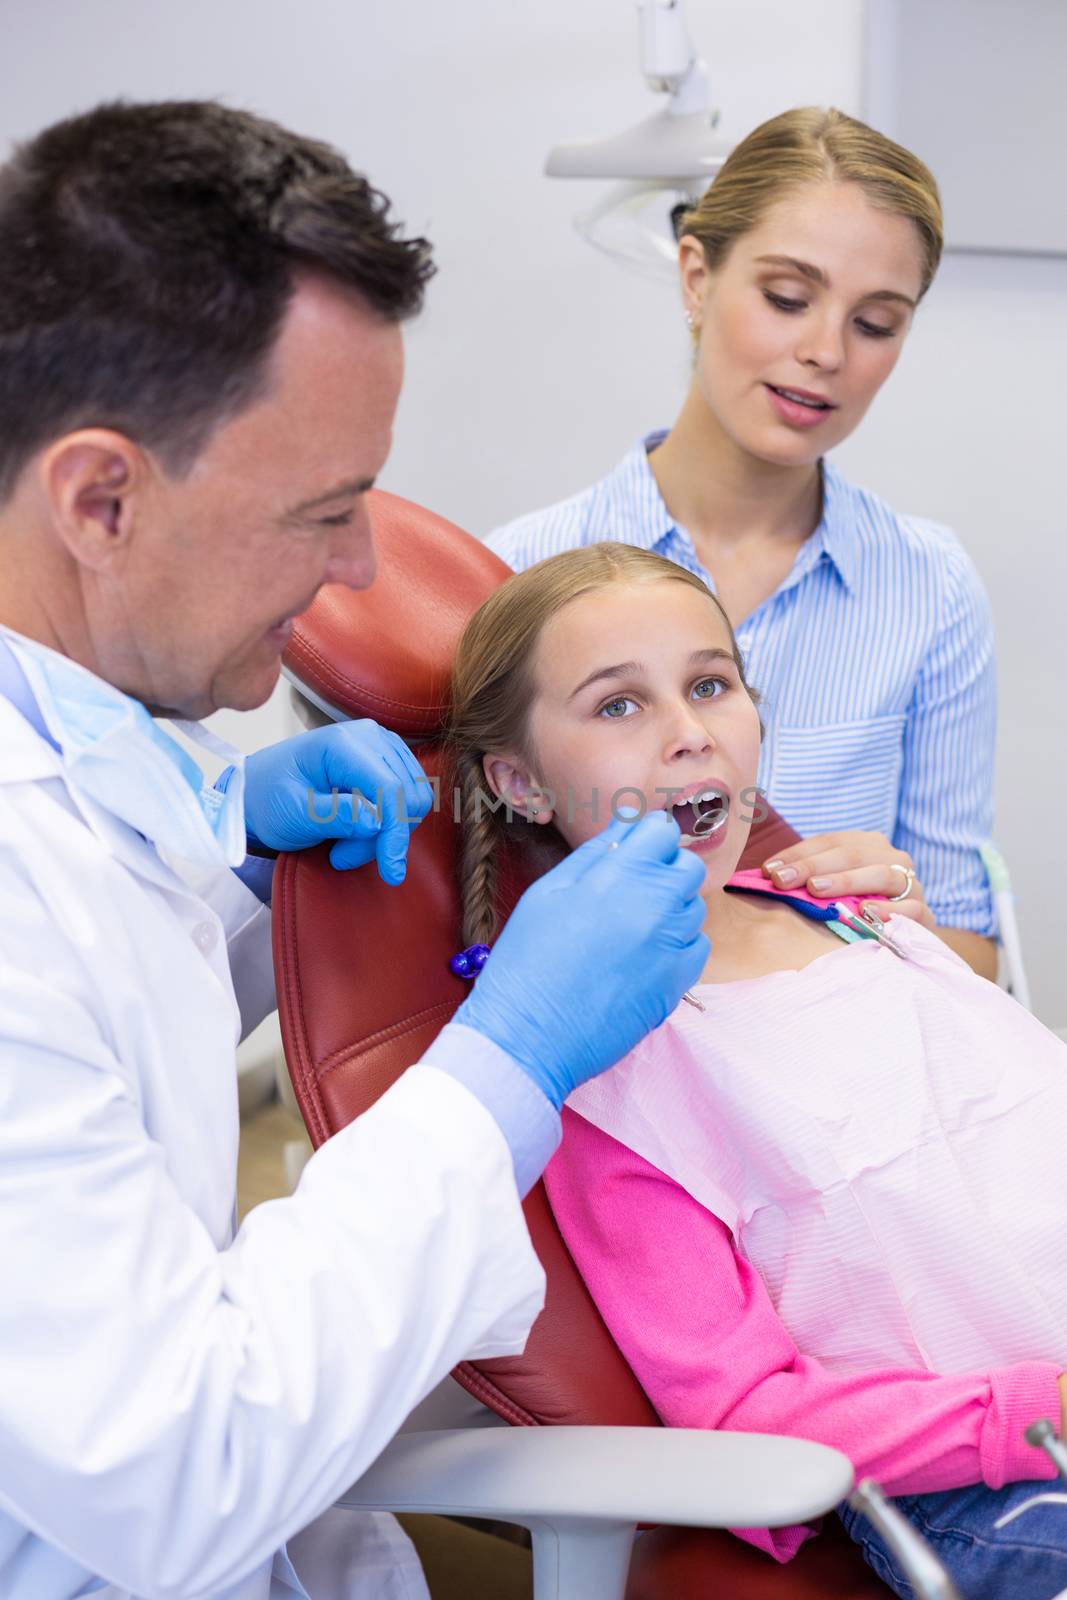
(691, 322)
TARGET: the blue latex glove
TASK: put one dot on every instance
(595, 955)
(290, 804)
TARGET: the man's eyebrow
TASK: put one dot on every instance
(626, 669)
(817, 275)
(338, 492)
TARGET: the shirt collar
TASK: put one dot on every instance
(836, 534)
(628, 505)
(631, 509)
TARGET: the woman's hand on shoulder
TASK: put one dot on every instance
(833, 865)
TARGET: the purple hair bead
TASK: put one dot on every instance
(469, 962)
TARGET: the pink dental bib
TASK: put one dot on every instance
(886, 1141)
(751, 879)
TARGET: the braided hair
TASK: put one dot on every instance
(478, 853)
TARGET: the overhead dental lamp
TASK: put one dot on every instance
(664, 162)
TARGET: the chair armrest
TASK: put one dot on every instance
(688, 1476)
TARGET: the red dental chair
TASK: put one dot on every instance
(353, 1018)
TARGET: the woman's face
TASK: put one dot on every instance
(817, 298)
(638, 702)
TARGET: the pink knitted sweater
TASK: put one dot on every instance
(697, 1327)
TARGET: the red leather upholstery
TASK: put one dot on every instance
(705, 1564)
(364, 986)
(387, 653)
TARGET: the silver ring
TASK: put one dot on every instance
(909, 880)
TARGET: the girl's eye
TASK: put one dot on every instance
(715, 686)
(611, 713)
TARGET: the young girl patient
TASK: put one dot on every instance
(828, 1195)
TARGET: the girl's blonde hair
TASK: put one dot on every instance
(812, 145)
(493, 690)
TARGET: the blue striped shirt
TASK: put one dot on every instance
(874, 661)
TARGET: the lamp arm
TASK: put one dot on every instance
(666, 48)
(668, 58)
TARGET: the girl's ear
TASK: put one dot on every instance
(511, 780)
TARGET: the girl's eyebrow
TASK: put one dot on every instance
(626, 669)
(622, 669)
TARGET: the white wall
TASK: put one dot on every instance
(538, 361)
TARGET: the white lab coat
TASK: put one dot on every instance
(177, 1400)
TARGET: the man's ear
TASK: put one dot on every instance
(94, 481)
(511, 780)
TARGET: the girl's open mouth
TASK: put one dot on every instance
(702, 817)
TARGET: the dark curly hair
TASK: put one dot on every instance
(147, 257)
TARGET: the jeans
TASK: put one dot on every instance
(1027, 1560)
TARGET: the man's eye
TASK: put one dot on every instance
(341, 520)
(609, 710)
(714, 686)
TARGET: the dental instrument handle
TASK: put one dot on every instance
(1044, 1435)
(922, 1568)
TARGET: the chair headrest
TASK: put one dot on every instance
(387, 652)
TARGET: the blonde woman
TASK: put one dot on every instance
(827, 1198)
(868, 632)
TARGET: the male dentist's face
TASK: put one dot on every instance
(273, 508)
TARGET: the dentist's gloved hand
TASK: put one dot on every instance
(595, 955)
(290, 802)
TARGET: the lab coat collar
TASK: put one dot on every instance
(133, 783)
(15, 689)
(29, 758)
(27, 753)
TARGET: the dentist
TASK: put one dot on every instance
(200, 360)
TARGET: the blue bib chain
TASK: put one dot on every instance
(848, 925)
